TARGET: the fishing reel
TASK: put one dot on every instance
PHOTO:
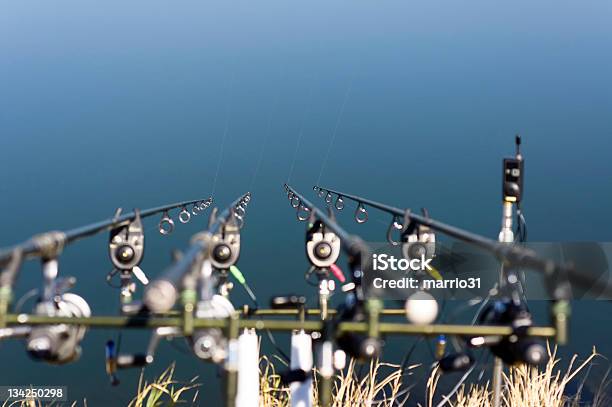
(58, 343)
(516, 348)
(207, 344)
(126, 250)
(210, 344)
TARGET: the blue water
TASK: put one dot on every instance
(413, 103)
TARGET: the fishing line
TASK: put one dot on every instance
(331, 142)
(307, 109)
(268, 131)
(225, 131)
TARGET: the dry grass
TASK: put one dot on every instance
(376, 387)
(383, 386)
(164, 391)
(527, 386)
(380, 386)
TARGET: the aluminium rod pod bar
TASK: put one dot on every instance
(163, 292)
(515, 255)
(50, 244)
(395, 328)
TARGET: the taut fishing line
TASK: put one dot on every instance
(333, 137)
(268, 131)
(190, 299)
(307, 109)
(225, 131)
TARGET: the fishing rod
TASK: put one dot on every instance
(305, 209)
(50, 244)
(211, 324)
(324, 238)
(126, 251)
(514, 255)
(204, 266)
(61, 343)
(220, 243)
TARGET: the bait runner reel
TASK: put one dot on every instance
(57, 343)
(210, 344)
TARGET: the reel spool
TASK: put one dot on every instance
(210, 344)
(58, 343)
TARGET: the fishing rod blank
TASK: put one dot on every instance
(513, 255)
(50, 244)
(305, 209)
(162, 293)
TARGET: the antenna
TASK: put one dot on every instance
(517, 142)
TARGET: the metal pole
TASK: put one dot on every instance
(498, 366)
(398, 328)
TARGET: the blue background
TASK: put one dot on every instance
(106, 104)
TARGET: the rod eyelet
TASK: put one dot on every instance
(361, 214)
(184, 215)
(394, 225)
(306, 211)
(339, 203)
(295, 202)
(329, 198)
(166, 224)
